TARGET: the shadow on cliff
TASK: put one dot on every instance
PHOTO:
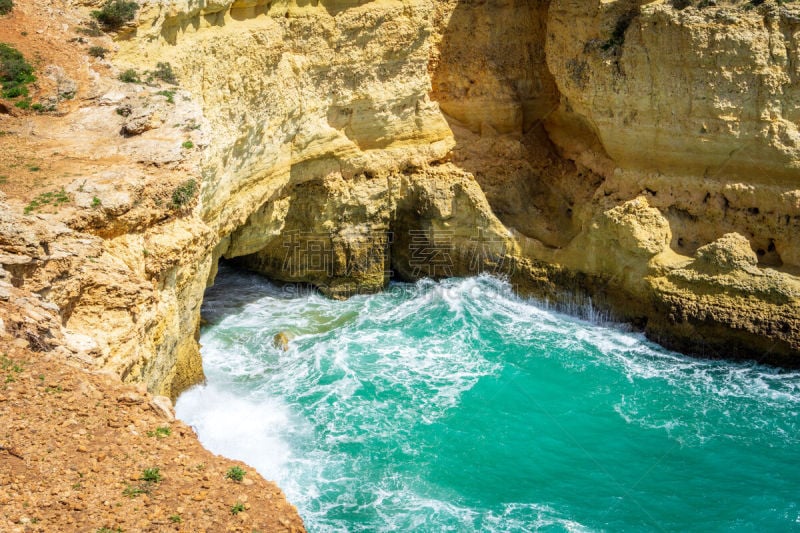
(235, 287)
(492, 82)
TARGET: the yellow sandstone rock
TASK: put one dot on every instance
(625, 151)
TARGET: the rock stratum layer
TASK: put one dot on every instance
(582, 148)
(630, 153)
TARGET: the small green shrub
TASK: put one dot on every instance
(115, 13)
(235, 473)
(9, 365)
(41, 108)
(132, 491)
(165, 73)
(15, 72)
(188, 145)
(54, 198)
(14, 92)
(160, 432)
(23, 104)
(129, 76)
(98, 51)
(6, 6)
(96, 202)
(184, 193)
(175, 519)
(238, 508)
(170, 95)
(151, 475)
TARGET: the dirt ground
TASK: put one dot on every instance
(74, 446)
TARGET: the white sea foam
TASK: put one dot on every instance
(364, 372)
(239, 428)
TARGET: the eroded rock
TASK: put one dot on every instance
(141, 117)
(728, 253)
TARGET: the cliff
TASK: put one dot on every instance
(566, 143)
(637, 154)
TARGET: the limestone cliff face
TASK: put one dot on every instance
(296, 91)
(694, 110)
(630, 152)
(706, 92)
(322, 130)
(699, 106)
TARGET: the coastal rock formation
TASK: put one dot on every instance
(603, 150)
(694, 92)
(718, 292)
(351, 236)
(639, 156)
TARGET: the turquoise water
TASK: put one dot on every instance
(457, 406)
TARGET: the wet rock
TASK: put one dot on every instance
(281, 341)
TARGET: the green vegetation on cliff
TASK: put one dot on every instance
(6, 6)
(115, 13)
(15, 72)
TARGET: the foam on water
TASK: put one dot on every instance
(457, 406)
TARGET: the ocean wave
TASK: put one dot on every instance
(349, 419)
